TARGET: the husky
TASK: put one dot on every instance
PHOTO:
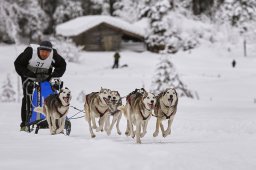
(97, 106)
(114, 103)
(166, 108)
(138, 110)
(55, 109)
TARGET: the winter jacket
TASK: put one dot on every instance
(116, 56)
(24, 69)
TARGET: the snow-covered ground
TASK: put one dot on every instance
(218, 131)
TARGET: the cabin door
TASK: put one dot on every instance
(108, 43)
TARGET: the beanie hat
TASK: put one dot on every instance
(45, 45)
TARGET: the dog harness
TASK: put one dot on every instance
(101, 114)
(144, 118)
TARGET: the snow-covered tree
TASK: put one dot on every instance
(8, 21)
(67, 49)
(166, 76)
(67, 10)
(32, 20)
(25, 16)
(237, 12)
(8, 93)
(128, 10)
(163, 33)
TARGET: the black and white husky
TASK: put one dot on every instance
(55, 109)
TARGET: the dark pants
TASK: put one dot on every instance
(26, 101)
(115, 64)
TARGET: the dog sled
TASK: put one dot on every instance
(36, 92)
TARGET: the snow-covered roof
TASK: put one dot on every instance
(81, 24)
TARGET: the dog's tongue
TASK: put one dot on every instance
(66, 99)
(170, 101)
(151, 106)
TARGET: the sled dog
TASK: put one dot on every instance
(55, 109)
(97, 106)
(166, 107)
(138, 110)
(114, 103)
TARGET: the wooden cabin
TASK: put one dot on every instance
(100, 33)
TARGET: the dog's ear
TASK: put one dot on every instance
(145, 94)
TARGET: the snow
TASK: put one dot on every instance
(81, 24)
(215, 132)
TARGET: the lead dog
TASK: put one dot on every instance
(97, 106)
(166, 108)
(114, 103)
(56, 108)
(138, 110)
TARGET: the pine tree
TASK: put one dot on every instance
(8, 93)
(25, 16)
(166, 76)
(128, 10)
(67, 10)
(237, 12)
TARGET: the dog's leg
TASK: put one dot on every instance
(117, 123)
(94, 126)
(144, 125)
(48, 118)
(90, 126)
(127, 131)
(61, 125)
(130, 122)
(155, 134)
(107, 122)
(54, 127)
(162, 127)
(111, 126)
(101, 123)
(138, 130)
(168, 130)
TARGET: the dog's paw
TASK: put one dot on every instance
(132, 135)
(155, 134)
(108, 132)
(94, 127)
(53, 133)
(93, 135)
(59, 131)
(138, 141)
(165, 134)
(119, 133)
(142, 134)
(98, 129)
(127, 133)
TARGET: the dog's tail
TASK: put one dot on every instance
(39, 110)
